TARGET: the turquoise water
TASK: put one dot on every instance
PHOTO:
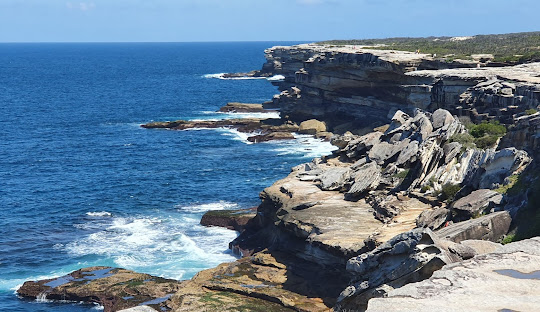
(81, 184)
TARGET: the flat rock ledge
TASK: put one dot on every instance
(505, 280)
(113, 288)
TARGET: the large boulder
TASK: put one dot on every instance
(490, 227)
(408, 257)
(505, 280)
(365, 178)
(441, 118)
(433, 218)
(334, 178)
(475, 204)
(312, 126)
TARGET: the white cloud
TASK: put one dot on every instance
(82, 6)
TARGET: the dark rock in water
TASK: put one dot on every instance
(235, 107)
(230, 219)
(113, 288)
(272, 136)
(269, 129)
(490, 227)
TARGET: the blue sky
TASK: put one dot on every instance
(258, 20)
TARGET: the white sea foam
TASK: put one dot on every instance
(99, 214)
(221, 205)
(276, 78)
(174, 246)
(237, 135)
(232, 115)
(221, 76)
(306, 145)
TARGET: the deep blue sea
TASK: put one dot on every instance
(81, 184)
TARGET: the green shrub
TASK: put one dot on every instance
(492, 128)
(486, 141)
(508, 239)
(449, 191)
(531, 111)
(425, 188)
(462, 138)
(401, 174)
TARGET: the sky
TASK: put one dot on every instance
(258, 20)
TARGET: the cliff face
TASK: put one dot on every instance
(366, 86)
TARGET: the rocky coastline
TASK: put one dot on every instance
(408, 214)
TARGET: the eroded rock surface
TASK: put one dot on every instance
(505, 280)
(113, 288)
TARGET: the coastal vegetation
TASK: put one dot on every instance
(483, 135)
(514, 48)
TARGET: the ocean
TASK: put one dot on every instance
(81, 184)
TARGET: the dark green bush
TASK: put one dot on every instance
(449, 191)
(486, 141)
(531, 111)
(487, 128)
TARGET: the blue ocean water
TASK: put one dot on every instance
(81, 184)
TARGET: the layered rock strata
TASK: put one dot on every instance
(359, 86)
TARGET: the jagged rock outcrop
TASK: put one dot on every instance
(505, 280)
(113, 288)
(316, 211)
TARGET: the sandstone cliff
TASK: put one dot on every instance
(347, 84)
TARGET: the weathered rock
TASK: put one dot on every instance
(475, 204)
(382, 152)
(490, 227)
(365, 178)
(506, 280)
(502, 164)
(433, 218)
(408, 155)
(481, 246)
(230, 219)
(312, 126)
(269, 281)
(334, 179)
(441, 118)
(451, 150)
(113, 288)
(408, 257)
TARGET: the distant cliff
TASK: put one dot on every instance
(351, 87)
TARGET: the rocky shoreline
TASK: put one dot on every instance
(407, 215)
